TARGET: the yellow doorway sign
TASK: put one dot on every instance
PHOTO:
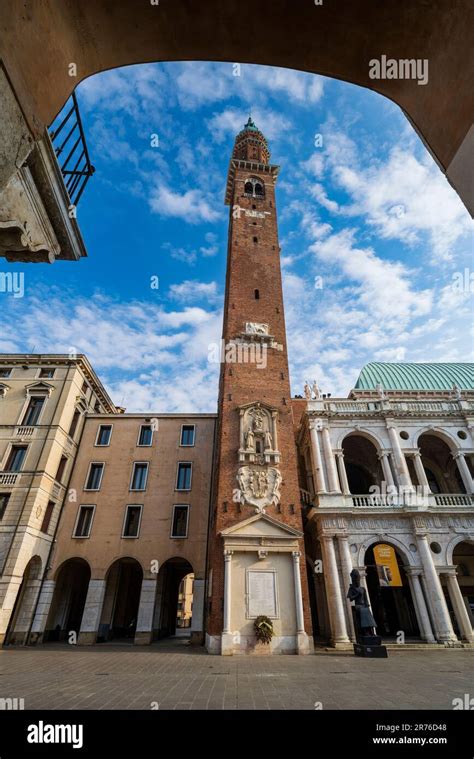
(387, 566)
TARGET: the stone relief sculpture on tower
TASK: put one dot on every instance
(259, 487)
(259, 482)
(256, 328)
(258, 435)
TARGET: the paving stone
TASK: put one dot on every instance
(57, 676)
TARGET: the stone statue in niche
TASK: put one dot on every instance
(259, 487)
(250, 440)
(258, 435)
(268, 441)
(258, 417)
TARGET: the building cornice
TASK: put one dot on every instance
(62, 359)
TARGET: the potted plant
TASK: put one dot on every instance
(263, 627)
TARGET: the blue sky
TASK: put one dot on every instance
(372, 235)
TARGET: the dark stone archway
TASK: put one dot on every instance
(69, 599)
(40, 41)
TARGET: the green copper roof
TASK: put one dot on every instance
(250, 125)
(416, 376)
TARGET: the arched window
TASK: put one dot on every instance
(254, 187)
(432, 481)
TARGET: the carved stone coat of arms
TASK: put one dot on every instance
(259, 486)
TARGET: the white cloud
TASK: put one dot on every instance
(193, 289)
(386, 289)
(299, 87)
(198, 84)
(319, 194)
(402, 197)
(192, 206)
(315, 164)
(211, 249)
(155, 358)
(232, 120)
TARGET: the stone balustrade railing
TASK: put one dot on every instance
(343, 406)
(407, 500)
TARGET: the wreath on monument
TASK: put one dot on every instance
(263, 627)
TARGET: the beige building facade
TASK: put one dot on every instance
(134, 524)
(105, 516)
(43, 402)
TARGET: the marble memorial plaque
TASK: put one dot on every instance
(261, 594)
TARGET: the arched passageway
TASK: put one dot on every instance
(118, 620)
(442, 472)
(37, 48)
(173, 609)
(362, 464)
(390, 593)
(67, 606)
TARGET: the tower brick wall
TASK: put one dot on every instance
(253, 294)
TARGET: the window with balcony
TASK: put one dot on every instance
(4, 498)
(33, 411)
(185, 473)
(46, 373)
(187, 435)
(16, 458)
(145, 436)
(84, 520)
(47, 516)
(131, 524)
(179, 525)
(139, 476)
(104, 434)
(94, 478)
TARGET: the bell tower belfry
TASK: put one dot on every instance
(256, 551)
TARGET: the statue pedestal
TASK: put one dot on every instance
(370, 652)
(368, 644)
(369, 640)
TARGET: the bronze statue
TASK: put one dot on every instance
(365, 623)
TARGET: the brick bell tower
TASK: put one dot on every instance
(256, 550)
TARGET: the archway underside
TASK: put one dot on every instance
(336, 42)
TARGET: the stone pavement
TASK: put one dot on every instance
(174, 675)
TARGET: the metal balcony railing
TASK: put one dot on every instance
(70, 146)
